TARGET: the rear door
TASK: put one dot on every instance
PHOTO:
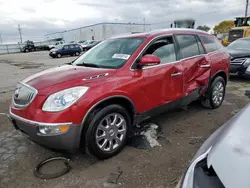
(196, 65)
(218, 56)
(72, 49)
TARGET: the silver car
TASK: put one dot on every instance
(224, 159)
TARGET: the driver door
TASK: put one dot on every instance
(163, 83)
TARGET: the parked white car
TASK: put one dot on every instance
(54, 45)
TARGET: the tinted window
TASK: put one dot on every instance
(72, 46)
(66, 47)
(210, 43)
(164, 49)
(188, 45)
(76, 46)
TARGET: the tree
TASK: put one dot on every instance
(203, 28)
(224, 26)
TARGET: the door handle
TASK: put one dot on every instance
(205, 66)
(176, 74)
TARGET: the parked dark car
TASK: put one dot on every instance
(239, 51)
(90, 45)
(223, 160)
(66, 49)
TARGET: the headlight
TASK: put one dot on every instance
(247, 62)
(53, 52)
(63, 99)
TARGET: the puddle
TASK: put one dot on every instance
(23, 65)
(146, 137)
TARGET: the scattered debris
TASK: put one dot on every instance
(114, 176)
(146, 135)
(151, 135)
(44, 176)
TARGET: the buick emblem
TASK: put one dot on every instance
(16, 93)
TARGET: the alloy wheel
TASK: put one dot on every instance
(218, 93)
(111, 132)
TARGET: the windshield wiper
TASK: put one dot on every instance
(87, 65)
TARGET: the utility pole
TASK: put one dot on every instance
(20, 33)
(246, 10)
(1, 41)
(144, 24)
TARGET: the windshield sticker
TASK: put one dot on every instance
(121, 56)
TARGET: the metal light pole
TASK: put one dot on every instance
(1, 39)
(144, 24)
(93, 37)
(20, 33)
(246, 10)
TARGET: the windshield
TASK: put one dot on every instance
(59, 46)
(112, 53)
(241, 44)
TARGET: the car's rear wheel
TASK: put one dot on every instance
(215, 94)
(107, 132)
(77, 53)
(58, 55)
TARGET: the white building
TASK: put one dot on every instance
(100, 31)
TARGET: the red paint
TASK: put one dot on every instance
(146, 88)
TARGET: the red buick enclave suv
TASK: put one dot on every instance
(95, 101)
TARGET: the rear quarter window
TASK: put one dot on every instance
(211, 44)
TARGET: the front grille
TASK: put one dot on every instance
(23, 95)
(235, 34)
(238, 61)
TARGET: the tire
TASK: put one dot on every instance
(77, 53)
(215, 94)
(109, 136)
(26, 50)
(58, 55)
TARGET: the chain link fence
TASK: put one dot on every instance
(17, 48)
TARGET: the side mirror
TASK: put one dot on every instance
(149, 60)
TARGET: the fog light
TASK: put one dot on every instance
(48, 130)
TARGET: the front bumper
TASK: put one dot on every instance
(239, 70)
(52, 54)
(69, 140)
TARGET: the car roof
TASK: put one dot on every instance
(163, 32)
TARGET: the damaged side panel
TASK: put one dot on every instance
(196, 73)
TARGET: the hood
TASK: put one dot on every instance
(65, 73)
(53, 50)
(230, 156)
(238, 53)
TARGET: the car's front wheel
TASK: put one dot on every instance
(215, 94)
(58, 55)
(77, 53)
(107, 132)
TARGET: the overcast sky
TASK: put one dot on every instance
(40, 17)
